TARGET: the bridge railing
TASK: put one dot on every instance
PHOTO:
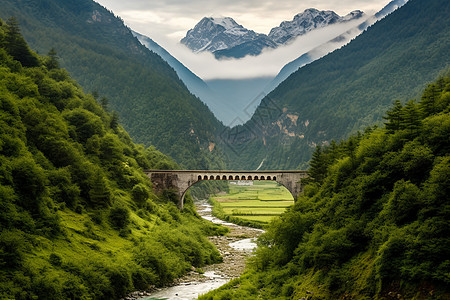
(181, 180)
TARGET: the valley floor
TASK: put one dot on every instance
(235, 249)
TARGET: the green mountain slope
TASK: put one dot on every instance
(78, 218)
(103, 56)
(348, 89)
(374, 220)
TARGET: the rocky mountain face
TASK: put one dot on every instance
(307, 21)
(391, 7)
(234, 101)
(213, 34)
(226, 38)
(347, 90)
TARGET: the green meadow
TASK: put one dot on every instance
(257, 204)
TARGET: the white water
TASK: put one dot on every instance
(244, 245)
(191, 290)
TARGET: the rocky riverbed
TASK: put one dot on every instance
(235, 248)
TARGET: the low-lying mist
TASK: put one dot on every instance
(267, 64)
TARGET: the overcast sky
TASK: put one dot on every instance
(167, 21)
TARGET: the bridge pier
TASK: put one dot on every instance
(179, 181)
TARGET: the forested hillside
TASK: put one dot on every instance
(348, 89)
(78, 218)
(101, 53)
(374, 219)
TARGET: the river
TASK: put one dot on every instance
(235, 248)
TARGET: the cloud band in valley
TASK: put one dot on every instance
(166, 22)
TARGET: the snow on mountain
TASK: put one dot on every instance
(226, 38)
(356, 14)
(333, 44)
(391, 7)
(233, 100)
(307, 21)
(213, 34)
(227, 23)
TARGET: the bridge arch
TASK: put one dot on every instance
(182, 180)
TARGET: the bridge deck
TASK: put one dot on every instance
(224, 171)
(181, 180)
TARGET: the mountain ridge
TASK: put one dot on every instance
(373, 219)
(307, 21)
(103, 55)
(225, 38)
(348, 89)
(321, 50)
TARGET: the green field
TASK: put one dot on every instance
(261, 202)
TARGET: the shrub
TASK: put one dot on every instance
(29, 181)
(73, 288)
(120, 281)
(140, 194)
(143, 278)
(119, 217)
(403, 204)
(86, 124)
(12, 249)
(55, 260)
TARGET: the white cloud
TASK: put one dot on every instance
(167, 21)
(259, 15)
(268, 63)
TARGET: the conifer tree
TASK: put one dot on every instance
(393, 117)
(114, 120)
(17, 47)
(351, 146)
(430, 102)
(318, 165)
(410, 117)
(52, 60)
(104, 102)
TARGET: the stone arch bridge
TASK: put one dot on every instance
(182, 180)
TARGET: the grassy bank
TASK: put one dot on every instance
(78, 217)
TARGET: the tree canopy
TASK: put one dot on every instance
(78, 216)
(374, 219)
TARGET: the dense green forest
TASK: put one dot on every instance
(374, 219)
(78, 217)
(348, 89)
(101, 53)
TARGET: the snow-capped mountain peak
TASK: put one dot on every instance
(356, 14)
(227, 22)
(307, 21)
(213, 34)
(223, 36)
